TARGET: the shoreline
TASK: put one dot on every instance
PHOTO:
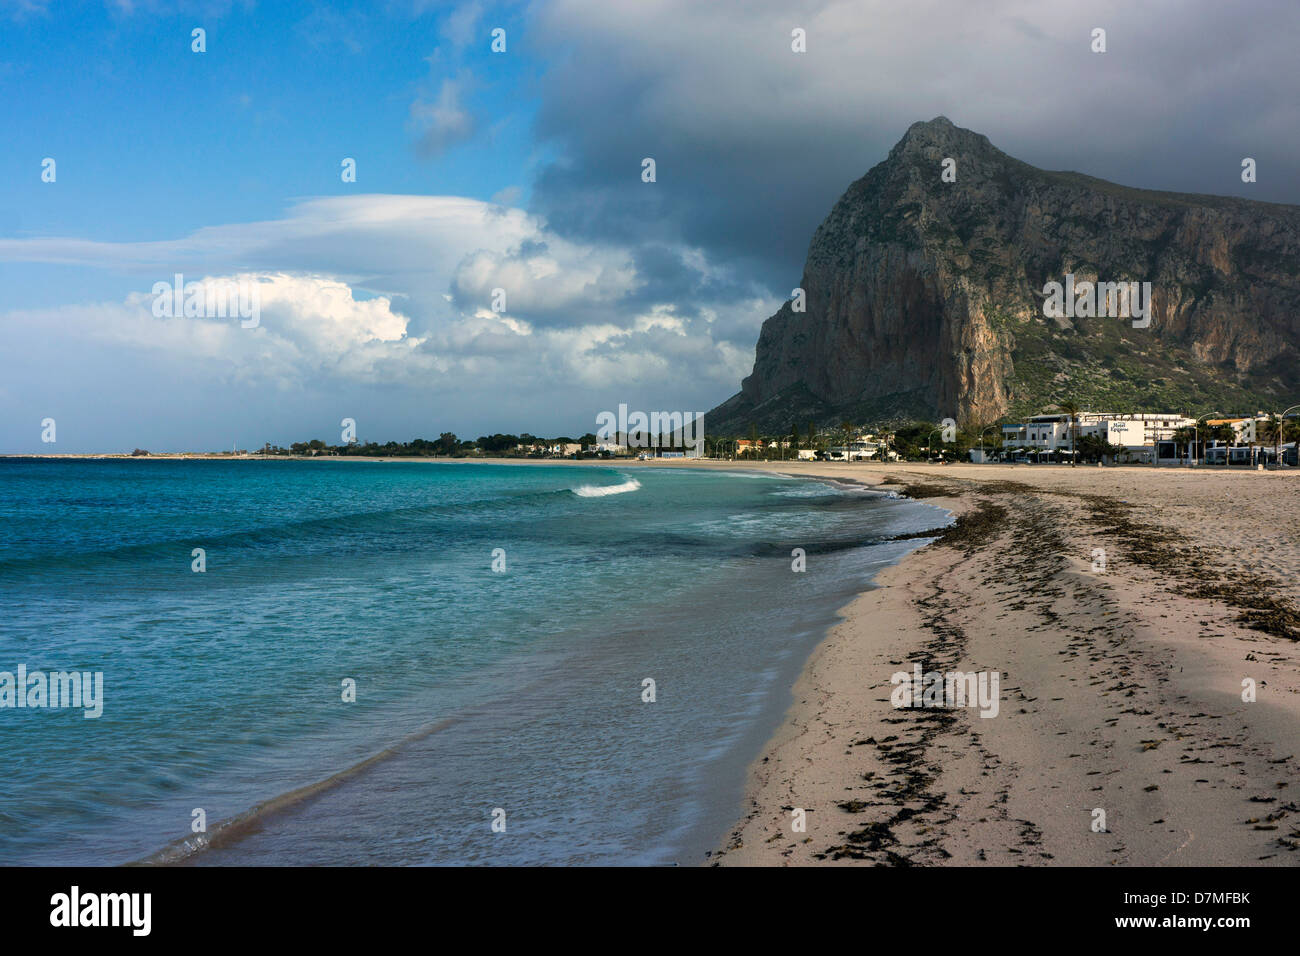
(1121, 689)
(1123, 608)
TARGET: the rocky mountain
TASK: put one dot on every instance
(924, 298)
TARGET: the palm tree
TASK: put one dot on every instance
(1271, 430)
(1222, 433)
(1199, 441)
(1288, 428)
(1071, 408)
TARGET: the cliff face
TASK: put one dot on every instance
(925, 298)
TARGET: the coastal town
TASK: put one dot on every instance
(1257, 439)
(1064, 436)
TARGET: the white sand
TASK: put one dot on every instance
(1116, 693)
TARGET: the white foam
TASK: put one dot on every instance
(600, 491)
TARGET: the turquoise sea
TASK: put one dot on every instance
(481, 694)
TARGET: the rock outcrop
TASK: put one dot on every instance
(924, 298)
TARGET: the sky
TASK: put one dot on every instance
(522, 171)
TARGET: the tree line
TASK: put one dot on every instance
(446, 445)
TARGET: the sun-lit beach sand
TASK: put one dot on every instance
(1120, 690)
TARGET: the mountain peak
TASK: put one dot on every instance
(923, 297)
(938, 122)
(941, 133)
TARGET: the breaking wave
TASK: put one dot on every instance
(600, 491)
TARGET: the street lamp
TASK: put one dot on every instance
(1207, 435)
(986, 428)
(927, 442)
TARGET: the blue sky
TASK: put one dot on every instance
(522, 171)
(154, 141)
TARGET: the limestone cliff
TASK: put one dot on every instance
(924, 298)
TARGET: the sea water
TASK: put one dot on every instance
(410, 662)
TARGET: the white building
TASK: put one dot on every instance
(1136, 430)
(1241, 427)
(1052, 432)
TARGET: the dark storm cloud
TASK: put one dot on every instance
(753, 143)
(671, 273)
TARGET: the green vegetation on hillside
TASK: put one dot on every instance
(1107, 365)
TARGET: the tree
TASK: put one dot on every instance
(1071, 408)
(1222, 433)
(1290, 432)
(1271, 431)
(495, 444)
(909, 440)
(1094, 448)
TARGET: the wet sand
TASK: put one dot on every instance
(1121, 686)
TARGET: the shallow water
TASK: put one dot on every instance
(519, 691)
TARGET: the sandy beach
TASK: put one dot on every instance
(1125, 610)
